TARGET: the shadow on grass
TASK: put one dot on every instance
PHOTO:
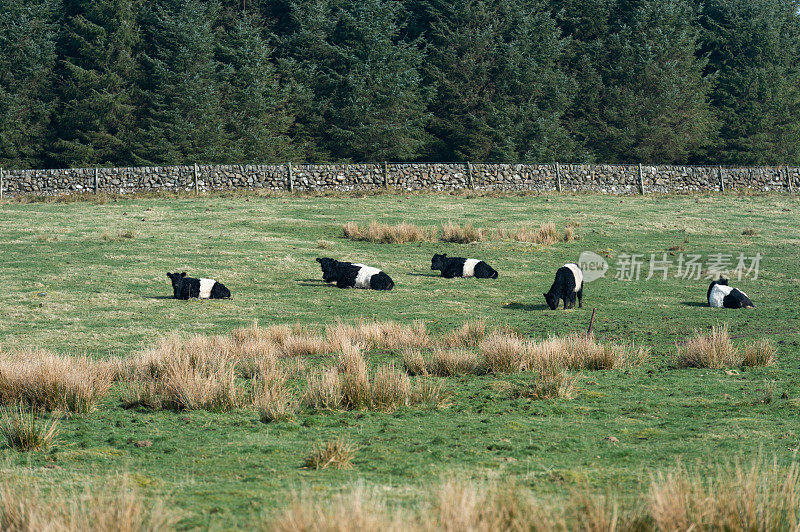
(424, 274)
(312, 282)
(524, 306)
(159, 297)
(694, 304)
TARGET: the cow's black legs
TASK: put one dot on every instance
(580, 298)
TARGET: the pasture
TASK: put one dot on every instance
(89, 277)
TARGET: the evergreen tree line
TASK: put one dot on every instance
(154, 82)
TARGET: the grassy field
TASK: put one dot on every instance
(89, 277)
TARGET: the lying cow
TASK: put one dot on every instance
(461, 267)
(721, 295)
(568, 284)
(354, 275)
(187, 287)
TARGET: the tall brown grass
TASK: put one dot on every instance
(759, 353)
(336, 454)
(182, 374)
(462, 234)
(47, 381)
(469, 334)
(715, 350)
(390, 388)
(380, 233)
(274, 400)
(115, 506)
(22, 431)
(759, 496)
(508, 353)
(546, 234)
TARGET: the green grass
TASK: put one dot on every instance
(110, 295)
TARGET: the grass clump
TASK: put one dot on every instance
(759, 496)
(45, 381)
(334, 454)
(115, 506)
(273, 400)
(380, 233)
(462, 234)
(759, 353)
(22, 431)
(178, 374)
(715, 350)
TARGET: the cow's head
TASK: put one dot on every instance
(437, 262)
(552, 300)
(177, 282)
(330, 269)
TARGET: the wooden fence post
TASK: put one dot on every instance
(788, 179)
(2, 183)
(96, 171)
(721, 179)
(641, 180)
(558, 177)
(470, 184)
(290, 177)
(385, 174)
(196, 171)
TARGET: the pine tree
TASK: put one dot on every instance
(180, 93)
(654, 106)
(27, 59)
(97, 72)
(255, 108)
(501, 88)
(754, 57)
(359, 90)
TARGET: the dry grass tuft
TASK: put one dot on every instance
(377, 335)
(380, 233)
(469, 334)
(117, 506)
(714, 350)
(750, 232)
(179, 374)
(759, 353)
(22, 431)
(415, 362)
(450, 362)
(503, 353)
(465, 234)
(551, 381)
(324, 244)
(45, 381)
(335, 454)
(427, 392)
(761, 496)
(273, 400)
(354, 511)
(390, 388)
(324, 391)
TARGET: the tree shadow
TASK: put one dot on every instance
(524, 306)
(694, 304)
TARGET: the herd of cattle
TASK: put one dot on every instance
(568, 283)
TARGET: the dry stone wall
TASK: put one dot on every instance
(612, 179)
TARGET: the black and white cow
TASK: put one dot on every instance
(721, 295)
(461, 267)
(187, 287)
(568, 284)
(354, 275)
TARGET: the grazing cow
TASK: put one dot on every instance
(354, 275)
(721, 295)
(461, 267)
(568, 284)
(187, 287)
